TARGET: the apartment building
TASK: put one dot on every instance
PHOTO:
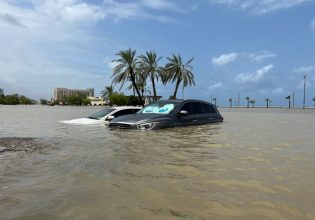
(62, 93)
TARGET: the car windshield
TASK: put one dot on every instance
(159, 108)
(101, 114)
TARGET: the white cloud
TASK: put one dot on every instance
(224, 59)
(56, 39)
(110, 63)
(261, 56)
(255, 77)
(304, 69)
(216, 86)
(10, 19)
(278, 91)
(160, 4)
(135, 10)
(261, 7)
(70, 11)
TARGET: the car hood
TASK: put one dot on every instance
(83, 121)
(138, 118)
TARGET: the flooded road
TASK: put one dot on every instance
(257, 164)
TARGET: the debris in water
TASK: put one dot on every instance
(27, 144)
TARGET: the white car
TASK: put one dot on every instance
(104, 116)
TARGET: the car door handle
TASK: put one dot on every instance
(195, 120)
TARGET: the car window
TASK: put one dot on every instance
(123, 112)
(209, 108)
(198, 108)
(102, 113)
(187, 107)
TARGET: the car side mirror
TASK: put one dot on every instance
(111, 117)
(183, 113)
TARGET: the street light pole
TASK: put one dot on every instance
(304, 91)
(238, 99)
(293, 99)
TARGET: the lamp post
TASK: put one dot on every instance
(215, 101)
(304, 91)
(293, 99)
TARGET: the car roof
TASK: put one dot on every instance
(125, 107)
(184, 100)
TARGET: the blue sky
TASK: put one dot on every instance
(258, 48)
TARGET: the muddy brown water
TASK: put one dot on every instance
(257, 164)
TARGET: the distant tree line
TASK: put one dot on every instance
(15, 99)
(118, 98)
(79, 99)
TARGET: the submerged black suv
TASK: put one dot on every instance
(169, 113)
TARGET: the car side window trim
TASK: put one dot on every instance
(192, 111)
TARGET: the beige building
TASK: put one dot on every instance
(97, 101)
(62, 93)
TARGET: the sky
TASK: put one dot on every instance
(255, 48)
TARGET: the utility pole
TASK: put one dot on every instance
(215, 101)
(211, 99)
(293, 99)
(239, 99)
(304, 91)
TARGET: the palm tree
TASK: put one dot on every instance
(231, 101)
(267, 102)
(107, 92)
(247, 98)
(289, 98)
(178, 71)
(148, 64)
(313, 99)
(140, 82)
(126, 69)
(252, 101)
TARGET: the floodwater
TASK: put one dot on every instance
(257, 164)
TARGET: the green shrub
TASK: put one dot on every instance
(118, 99)
(134, 101)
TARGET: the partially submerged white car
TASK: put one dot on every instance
(104, 116)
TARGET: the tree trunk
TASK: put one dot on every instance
(153, 87)
(133, 80)
(176, 88)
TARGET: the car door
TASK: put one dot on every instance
(212, 114)
(187, 120)
(204, 113)
(199, 113)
